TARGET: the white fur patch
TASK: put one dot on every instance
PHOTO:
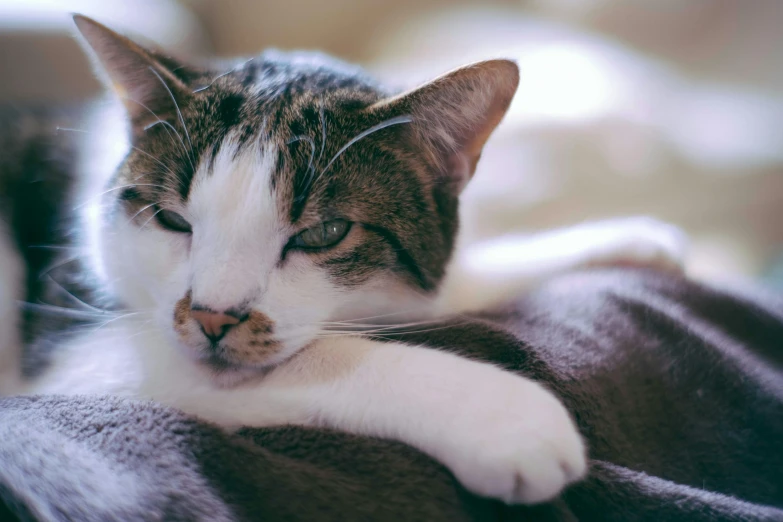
(237, 232)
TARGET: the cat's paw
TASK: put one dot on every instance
(641, 242)
(525, 448)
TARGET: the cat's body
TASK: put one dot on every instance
(259, 215)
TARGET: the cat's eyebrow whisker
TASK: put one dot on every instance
(137, 214)
(309, 140)
(179, 113)
(323, 130)
(151, 218)
(219, 76)
(96, 196)
(153, 158)
(397, 120)
(166, 125)
(166, 169)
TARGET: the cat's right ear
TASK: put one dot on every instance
(453, 116)
(149, 88)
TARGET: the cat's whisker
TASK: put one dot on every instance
(68, 129)
(55, 247)
(179, 113)
(61, 311)
(219, 76)
(323, 130)
(141, 333)
(96, 196)
(118, 318)
(390, 314)
(388, 325)
(151, 218)
(73, 297)
(153, 158)
(400, 329)
(350, 328)
(88, 316)
(145, 331)
(394, 335)
(309, 140)
(380, 333)
(168, 126)
(397, 120)
(137, 214)
(57, 264)
(165, 124)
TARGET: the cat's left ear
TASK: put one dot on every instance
(454, 115)
(150, 85)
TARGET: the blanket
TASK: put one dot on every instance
(676, 386)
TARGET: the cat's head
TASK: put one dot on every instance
(264, 202)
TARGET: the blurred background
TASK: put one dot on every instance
(671, 108)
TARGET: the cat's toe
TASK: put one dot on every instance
(527, 454)
(542, 474)
(661, 245)
(645, 242)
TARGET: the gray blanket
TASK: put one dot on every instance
(678, 389)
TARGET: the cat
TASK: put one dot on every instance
(258, 216)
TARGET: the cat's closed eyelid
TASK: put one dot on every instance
(172, 221)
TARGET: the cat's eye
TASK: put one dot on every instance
(323, 235)
(172, 221)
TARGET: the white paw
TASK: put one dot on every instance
(640, 242)
(524, 448)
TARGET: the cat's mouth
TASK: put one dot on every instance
(225, 373)
(219, 363)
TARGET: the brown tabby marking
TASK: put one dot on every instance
(182, 314)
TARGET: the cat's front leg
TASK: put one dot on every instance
(502, 435)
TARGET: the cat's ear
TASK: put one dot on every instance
(454, 115)
(150, 86)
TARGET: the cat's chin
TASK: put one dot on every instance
(225, 374)
(221, 372)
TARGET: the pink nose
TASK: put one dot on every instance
(214, 324)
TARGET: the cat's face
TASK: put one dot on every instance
(264, 206)
(259, 229)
